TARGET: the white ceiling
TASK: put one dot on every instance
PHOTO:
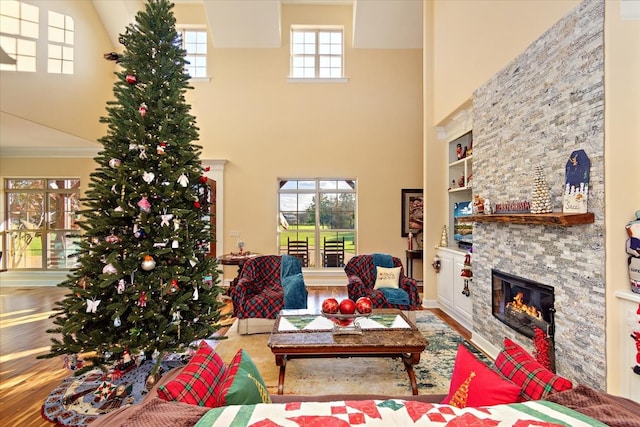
(377, 24)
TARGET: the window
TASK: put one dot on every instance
(318, 211)
(41, 231)
(19, 31)
(316, 53)
(195, 43)
(60, 48)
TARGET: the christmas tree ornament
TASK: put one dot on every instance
(112, 56)
(148, 263)
(114, 163)
(131, 79)
(92, 305)
(196, 204)
(175, 244)
(177, 317)
(173, 287)
(161, 148)
(541, 202)
(121, 286)
(202, 179)
(142, 301)
(117, 322)
(112, 239)
(139, 232)
(195, 294)
(143, 109)
(144, 205)
(148, 177)
(109, 269)
(183, 180)
(119, 209)
(165, 219)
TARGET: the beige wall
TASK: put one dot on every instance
(369, 128)
(478, 33)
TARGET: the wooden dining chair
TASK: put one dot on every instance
(299, 249)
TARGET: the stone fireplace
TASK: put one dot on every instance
(545, 104)
(522, 304)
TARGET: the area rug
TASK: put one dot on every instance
(357, 375)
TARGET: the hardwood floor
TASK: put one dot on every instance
(26, 381)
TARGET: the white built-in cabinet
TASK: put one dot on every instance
(628, 304)
(451, 298)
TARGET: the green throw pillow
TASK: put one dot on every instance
(242, 383)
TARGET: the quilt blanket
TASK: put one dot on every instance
(387, 413)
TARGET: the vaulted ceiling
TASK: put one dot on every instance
(377, 24)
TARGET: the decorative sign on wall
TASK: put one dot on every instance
(576, 188)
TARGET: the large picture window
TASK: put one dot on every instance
(41, 230)
(319, 215)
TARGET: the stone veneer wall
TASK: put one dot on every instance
(545, 104)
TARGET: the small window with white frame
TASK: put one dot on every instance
(317, 52)
(19, 32)
(194, 41)
(61, 41)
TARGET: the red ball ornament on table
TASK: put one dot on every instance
(364, 305)
(330, 306)
(347, 306)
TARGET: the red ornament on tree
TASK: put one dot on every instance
(202, 179)
(143, 109)
(131, 79)
(196, 204)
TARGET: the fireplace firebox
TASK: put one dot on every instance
(522, 304)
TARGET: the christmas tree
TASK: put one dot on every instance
(144, 283)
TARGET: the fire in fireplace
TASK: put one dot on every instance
(522, 304)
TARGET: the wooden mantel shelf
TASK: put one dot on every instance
(554, 218)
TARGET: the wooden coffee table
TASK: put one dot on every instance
(404, 342)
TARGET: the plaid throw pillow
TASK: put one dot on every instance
(242, 383)
(535, 381)
(199, 381)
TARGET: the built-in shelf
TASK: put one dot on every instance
(553, 218)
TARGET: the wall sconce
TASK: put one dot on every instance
(436, 264)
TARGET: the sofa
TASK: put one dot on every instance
(267, 284)
(208, 393)
(153, 411)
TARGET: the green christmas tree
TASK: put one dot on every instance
(144, 283)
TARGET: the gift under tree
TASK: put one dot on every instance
(144, 284)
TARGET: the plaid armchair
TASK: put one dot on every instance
(361, 276)
(259, 293)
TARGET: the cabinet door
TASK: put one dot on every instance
(445, 280)
(461, 303)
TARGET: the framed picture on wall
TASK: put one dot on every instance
(412, 211)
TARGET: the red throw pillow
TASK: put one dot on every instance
(475, 384)
(535, 380)
(199, 381)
